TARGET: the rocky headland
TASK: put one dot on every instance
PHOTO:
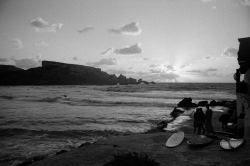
(56, 73)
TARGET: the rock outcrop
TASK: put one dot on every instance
(176, 112)
(186, 102)
(203, 103)
(7, 68)
(55, 73)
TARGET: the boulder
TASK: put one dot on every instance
(186, 102)
(218, 103)
(203, 103)
(231, 104)
(162, 125)
(193, 105)
(176, 112)
(213, 103)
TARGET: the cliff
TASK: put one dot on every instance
(55, 73)
(6, 68)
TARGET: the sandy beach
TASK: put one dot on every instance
(153, 144)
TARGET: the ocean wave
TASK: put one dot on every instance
(131, 121)
(14, 132)
(229, 87)
(105, 102)
(7, 97)
(88, 102)
(50, 99)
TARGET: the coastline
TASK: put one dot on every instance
(153, 144)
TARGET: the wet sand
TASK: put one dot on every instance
(153, 144)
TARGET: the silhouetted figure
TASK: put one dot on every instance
(224, 119)
(242, 115)
(240, 125)
(203, 120)
(208, 121)
(198, 121)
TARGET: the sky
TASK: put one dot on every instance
(153, 40)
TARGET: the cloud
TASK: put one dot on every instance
(129, 50)
(195, 71)
(18, 43)
(158, 76)
(245, 2)
(153, 65)
(75, 58)
(3, 60)
(109, 61)
(42, 44)
(27, 63)
(108, 51)
(87, 29)
(169, 76)
(210, 70)
(207, 0)
(132, 28)
(154, 71)
(39, 56)
(118, 71)
(230, 52)
(145, 59)
(169, 67)
(207, 57)
(162, 75)
(207, 72)
(43, 26)
(182, 66)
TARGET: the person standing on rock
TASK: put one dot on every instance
(208, 121)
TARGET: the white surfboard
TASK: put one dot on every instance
(230, 144)
(175, 139)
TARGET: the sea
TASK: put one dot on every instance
(44, 120)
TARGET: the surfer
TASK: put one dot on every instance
(202, 120)
(199, 120)
(208, 121)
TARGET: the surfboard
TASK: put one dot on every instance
(231, 144)
(199, 140)
(224, 133)
(175, 139)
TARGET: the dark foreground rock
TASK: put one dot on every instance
(203, 103)
(55, 73)
(186, 102)
(176, 112)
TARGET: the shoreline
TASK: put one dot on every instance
(153, 145)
